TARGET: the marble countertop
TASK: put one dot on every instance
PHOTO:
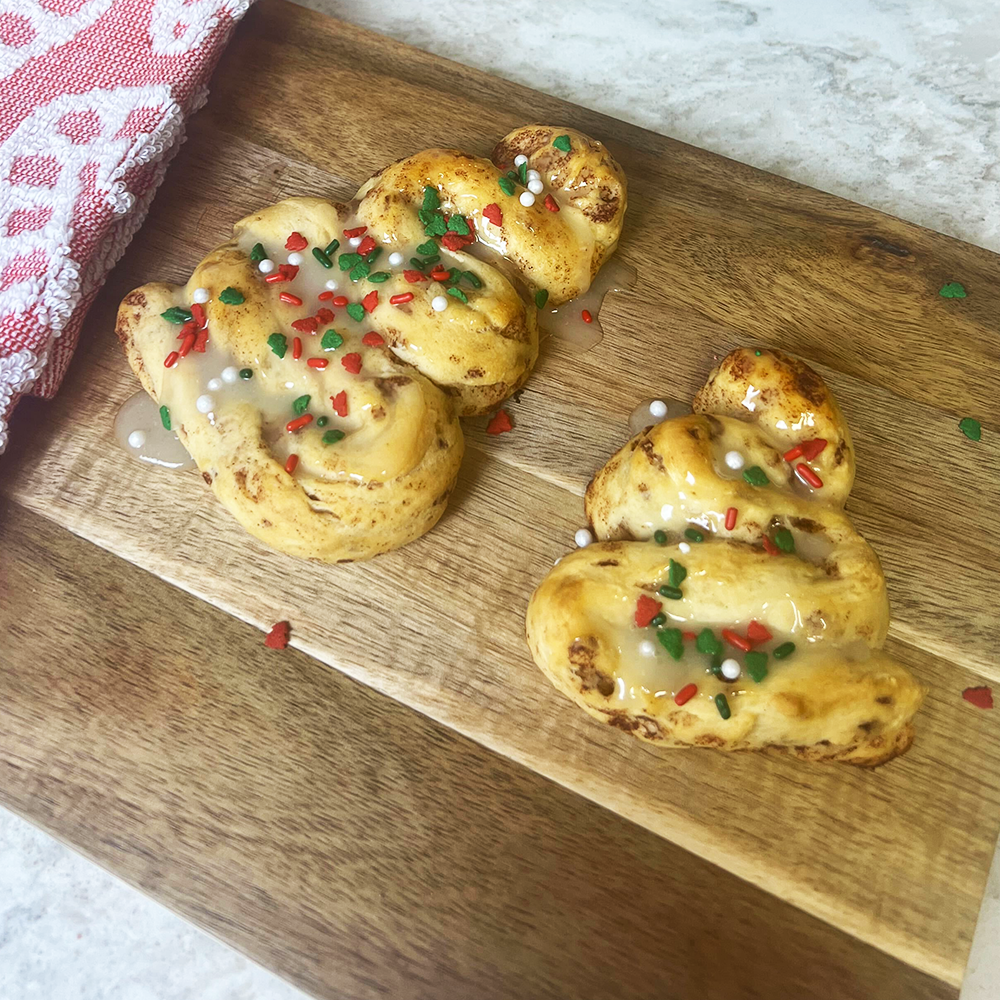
(889, 103)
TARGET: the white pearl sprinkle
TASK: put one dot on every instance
(439, 303)
(201, 296)
(230, 374)
(734, 460)
(355, 241)
(658, 409)
(730, 669)
(395, 259)
(583, 538)
(136, 439)
(519, 159)
(536, 186)
(204, 403)
(646, 648)
(684, 547)
(295, 259)
(527, 199)
(214, 384)
(534, 175)
(266, 266)
(331, 285)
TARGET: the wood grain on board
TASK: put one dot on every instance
(345, 841)
(726, 255)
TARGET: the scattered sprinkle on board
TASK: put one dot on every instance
(500, 423)
(953, 290)
(278, 637)
(981, 697)
(971, 428)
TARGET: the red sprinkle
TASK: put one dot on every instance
(325, 316)
(793, 453)
(414, 276)
(171, 359)
(359, 231)
(808, 476)
(339, 301)
(200, 340)
(439, 275)
(340, 403)
(296, 348)
(288, 270)
(685, 694)
(299, 422)
(758, 633)
(810, 449)
(398, 300)
(769, 547)
(188, 344)
(292, 300)
(500, 423)
(366, 246)
(690, 636)
(370, 301)
(308, 324)
(319, 363)
(735, 639)
(277, 638)
(296, 242)
(587, 318)
(981, 697)
(325, 296)
(352, 362)
(453, 241)
(646, 609)
(551, 204)
(274, 277)
(373, 339)
(198, 314)
(293, 460)
(493, 214)
(731, 514)
(189, 327)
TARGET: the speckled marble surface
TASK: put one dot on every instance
(892, 103)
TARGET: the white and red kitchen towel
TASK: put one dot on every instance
(94, 95)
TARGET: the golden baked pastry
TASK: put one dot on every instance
(315, 365)
(730, 603)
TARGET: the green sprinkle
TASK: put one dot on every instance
(436, 227)
(457, 224)
(331, 248)
(322, 421)
(427, 249)
(660, 537)
(246, 374)
(278, 343)
(373, 255)
(694, 535)
(756, 476)
(785, 649)
(756, 664)
(231, 296)
(472, 278)
(672, 640)
(432, 260)
(707, 643)
(331, 340)
(506, 185)
(176, 314)
(458, 294)
(332, 437)
(757, 353)
(522, 174)
(418, 263)
(562, 142)
(359, 271)
(541, 297)
(258, 253)
(971, 428)
(378, 277)
(674, 593)
(676, 574)
(301, 405)
(715, 665)
(431, 199)
(165, 418)
(322, 257)
(348, 260)
(356, 311)
(427, 215)
(953, 290)
(722, 704)
(512, 176)
(784, 540)
(658, 620)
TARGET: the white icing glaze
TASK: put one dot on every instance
(141, 414)
(648, 413)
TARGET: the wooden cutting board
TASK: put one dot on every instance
(726, 255)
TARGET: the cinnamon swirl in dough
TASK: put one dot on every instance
(730, 603)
